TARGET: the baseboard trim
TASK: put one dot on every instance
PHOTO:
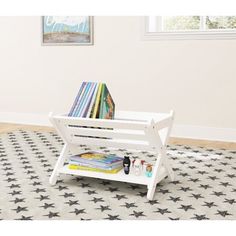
(179, 131)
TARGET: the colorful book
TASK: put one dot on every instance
(77, 167)
(97, 158)
(77, 99)
(107, 105)
(91, 105)
(82, 101)
(104, 167)
(88, 100)
(97, 101)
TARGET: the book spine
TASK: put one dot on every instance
(76, 99)
(93, 100)
(96, 166)
(78, 112)
(97, 101)
(77, 107)
(76, 167)
(101, 102)
(88, 100)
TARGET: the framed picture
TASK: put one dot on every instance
(67, 30)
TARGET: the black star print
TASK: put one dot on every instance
(46, 205)
(19, 209)
(164, 191)
(231, 175)
(15, 193)
(9, 174)
(129, 205)
(112, 217)
(105, 182)
(162, 211)
(200, 217)
(41, 198)
(223, 213)
(90, 192)
(112, 189)
(36, 183)
(225, 184)
(133, 187)
(230, 201)
(95, 200)
(173, 218)
(196, 196)
(119, 197)
(175, 182)
(10, 180)
(104, 208)
(83, 185)
(142, 194)
(7, 168)
(183, 174)
(60, 188)
(153, 202)
(209, 204)
(194, 180)
(66, 195)
(224, 163)
(218, 170)
(77, 211)
(174, 199)
(186, 207)
(185, 189)
(205, 186)
(39, 190)
(137, 214)
(208, 165)
(202, 172)
(52, 214)
(25, 218)
(212, 177)
(218, 194)
(14, 186)
(71, 203)
(33, 177)
(17, 200)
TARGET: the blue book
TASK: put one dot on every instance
(88, 100)
(76, 99)
(81, 104)
(79, 101)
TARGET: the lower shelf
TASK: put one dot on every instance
(120, 176)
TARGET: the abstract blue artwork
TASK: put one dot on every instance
(67, 30)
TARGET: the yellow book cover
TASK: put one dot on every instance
(77, 167)
(95, 111)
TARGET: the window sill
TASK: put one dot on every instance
(213, 35)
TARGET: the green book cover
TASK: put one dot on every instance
(107, 106)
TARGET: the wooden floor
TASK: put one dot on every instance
(5, 127)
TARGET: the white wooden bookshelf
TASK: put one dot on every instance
(129, 130)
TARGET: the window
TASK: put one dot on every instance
(190, 27)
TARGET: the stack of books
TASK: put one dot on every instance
(93, 101)
(94, 161)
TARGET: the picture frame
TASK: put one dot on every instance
(67, 30)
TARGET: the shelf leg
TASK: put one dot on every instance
(54, 176)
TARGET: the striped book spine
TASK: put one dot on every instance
(88, 100)
(80, 107)
(76, 99)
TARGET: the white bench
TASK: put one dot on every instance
(129, 130)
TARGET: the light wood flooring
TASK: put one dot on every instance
(5, 127)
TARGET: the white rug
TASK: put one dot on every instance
(205, 185)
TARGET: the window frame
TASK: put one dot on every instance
(185, 35)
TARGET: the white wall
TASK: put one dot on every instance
(195, 78)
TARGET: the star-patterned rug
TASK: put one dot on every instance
(204, 187)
